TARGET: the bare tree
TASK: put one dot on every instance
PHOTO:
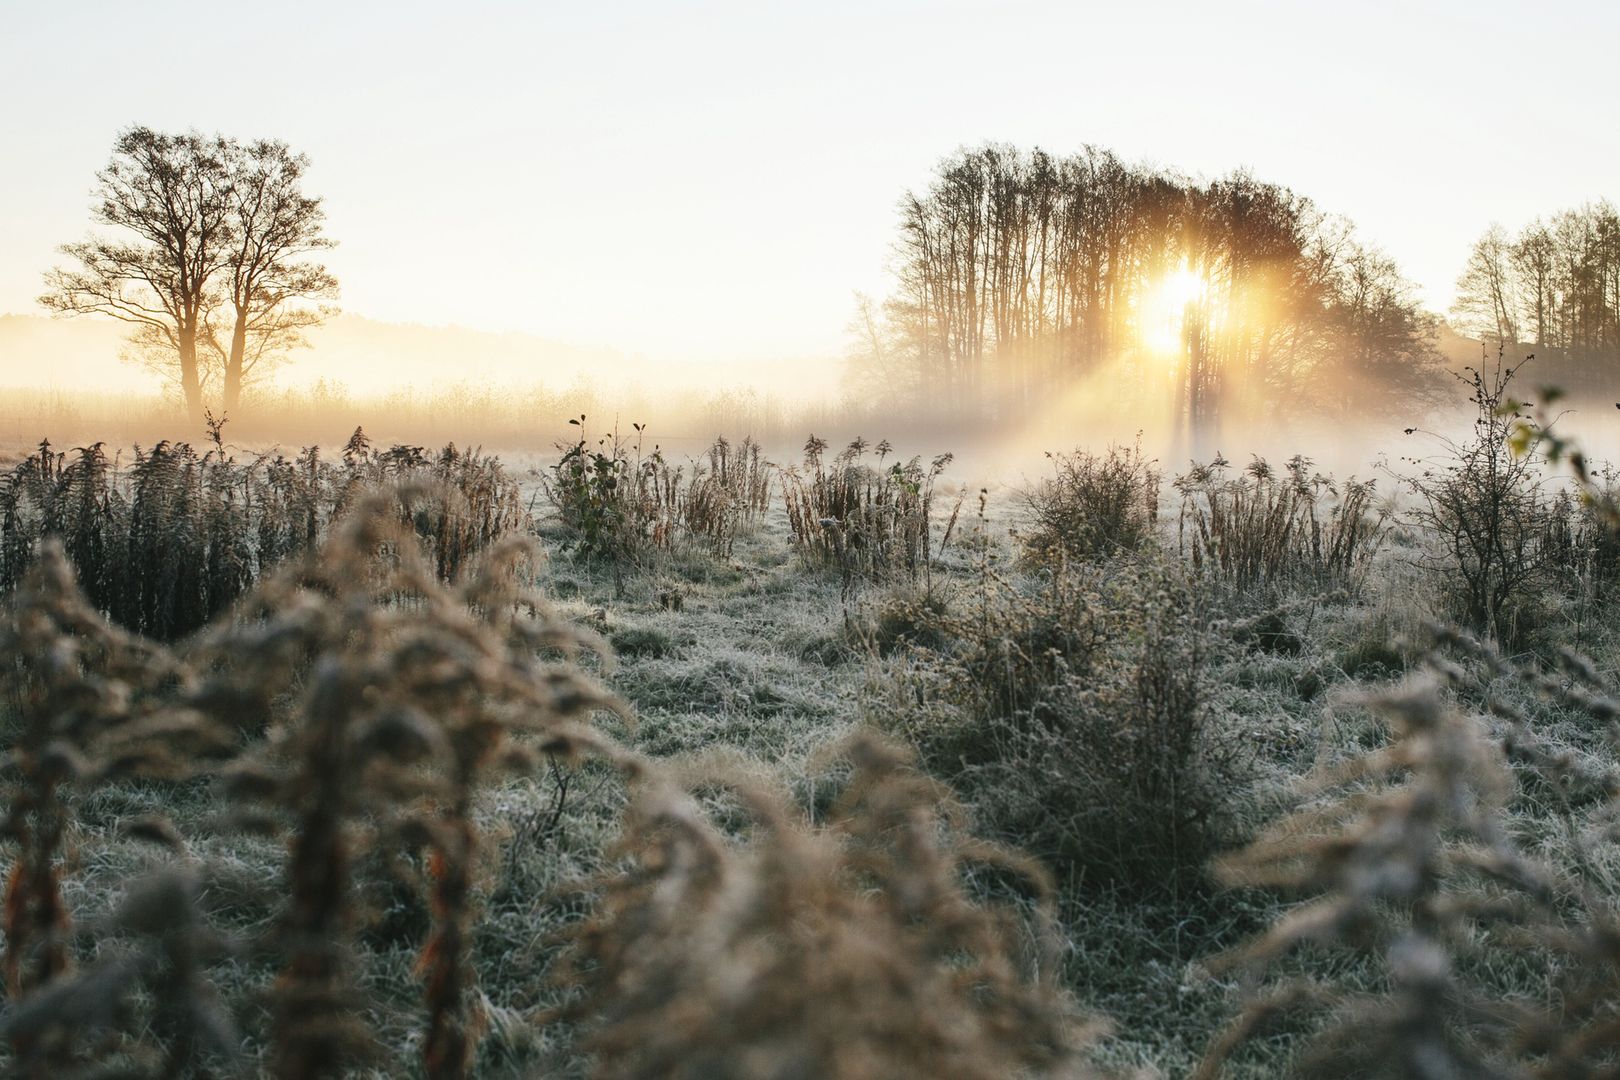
(1557, 283)
(1385, 342)
(166, 193)
(1534, 259)
(271, 295)
(1487, 299)
(212, 244)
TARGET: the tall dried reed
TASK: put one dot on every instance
(1414, 865)
(1265, 529)
(866, 522)
(174, 538)
(87, 704)
(621, 500)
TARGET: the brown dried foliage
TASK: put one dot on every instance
(1263, 528)
(366, 704)
(867, 523)
(416, 693)
(849, 947)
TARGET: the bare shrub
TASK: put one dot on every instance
(1488, 512)
(849, 948)
(1075, 718)
(1094, 505)
(1268, 529)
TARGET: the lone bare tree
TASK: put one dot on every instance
(268, 290)
(209, 232)
(166, 193)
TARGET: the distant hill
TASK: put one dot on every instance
(66, 354)
(368, 356)
(361, 353)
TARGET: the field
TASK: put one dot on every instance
(807, 763)
(849, 541)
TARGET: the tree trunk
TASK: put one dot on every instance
(233, 366)
(190, 381)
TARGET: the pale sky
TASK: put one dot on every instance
(693, 180)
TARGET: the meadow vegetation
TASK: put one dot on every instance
(395, 762)
(172, 537)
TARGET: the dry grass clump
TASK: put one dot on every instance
(731, 496)
(620, 501)
(161, 545)
(409, 695)
(868, 523)
(725, 495)
(459, 503)
(1076, 718)
(1094, 505)
(1582, 546)
(388, 701)
(1402, 861)
(1267, 529)
(1575, 920)
(1489, 963)
(145, 1007)
(85, 704)
(846, 948)
(170, 540)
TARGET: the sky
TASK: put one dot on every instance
(696, 181)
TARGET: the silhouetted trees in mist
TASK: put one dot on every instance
(1018, 273)
(1553, 288)
(207, 260)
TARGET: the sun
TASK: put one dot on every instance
(1163, 314)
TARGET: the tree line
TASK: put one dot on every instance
(1017, 272)
(1553, 287)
